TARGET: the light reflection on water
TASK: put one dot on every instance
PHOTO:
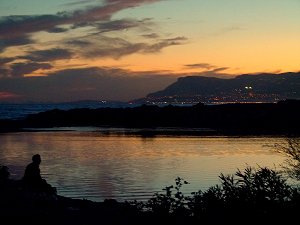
(87, 164)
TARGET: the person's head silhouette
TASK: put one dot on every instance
(36, 159)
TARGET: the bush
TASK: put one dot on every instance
(291, 150)
(258, 192)
(169, 202)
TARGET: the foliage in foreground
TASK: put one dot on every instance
(260, 196)
(258, 192)
(291, 150)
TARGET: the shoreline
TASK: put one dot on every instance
(153, 132)
(226, 120)
(20, 206)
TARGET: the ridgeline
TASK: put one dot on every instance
(243, 88)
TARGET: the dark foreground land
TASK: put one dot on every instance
(250, 197)
(280, 118)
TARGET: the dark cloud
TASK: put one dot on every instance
(152, 35)
(122, 24)
(200, 66)
(79, 43)
(154, 48)
(89, 83)
(4, 67)
(22, 40)
(206, 66)
(20, 69)
(57, 30)
(217, 74)
(217, 70)
(48, 55)
(118, 47)
(113, 47)
(109, 25)
(82, 2)
(4, 72)
(18, 26)
(115, 52)
(16, 30)
(4, 61)
(12, 27)
(210, 70)
(114, 25)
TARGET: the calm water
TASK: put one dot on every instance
(92, 165)
(17, 111)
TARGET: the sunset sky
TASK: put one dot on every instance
(65, 50)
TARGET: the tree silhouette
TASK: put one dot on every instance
(291, 149)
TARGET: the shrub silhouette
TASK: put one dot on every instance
(260, 196)
(291, 150)
(261, 193)
(256, 190)
(168, 202)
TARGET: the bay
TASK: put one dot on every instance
(103, 163)
(21, 110)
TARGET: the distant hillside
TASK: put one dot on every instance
(243, 88)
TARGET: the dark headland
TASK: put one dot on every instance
(281, 118)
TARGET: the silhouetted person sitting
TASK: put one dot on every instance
(4, 174)
(4, 177)
(32, 177)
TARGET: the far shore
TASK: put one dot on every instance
(238, 119)
(152, 132)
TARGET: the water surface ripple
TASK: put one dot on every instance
(92, 165)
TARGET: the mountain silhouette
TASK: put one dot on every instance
(243, 88)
